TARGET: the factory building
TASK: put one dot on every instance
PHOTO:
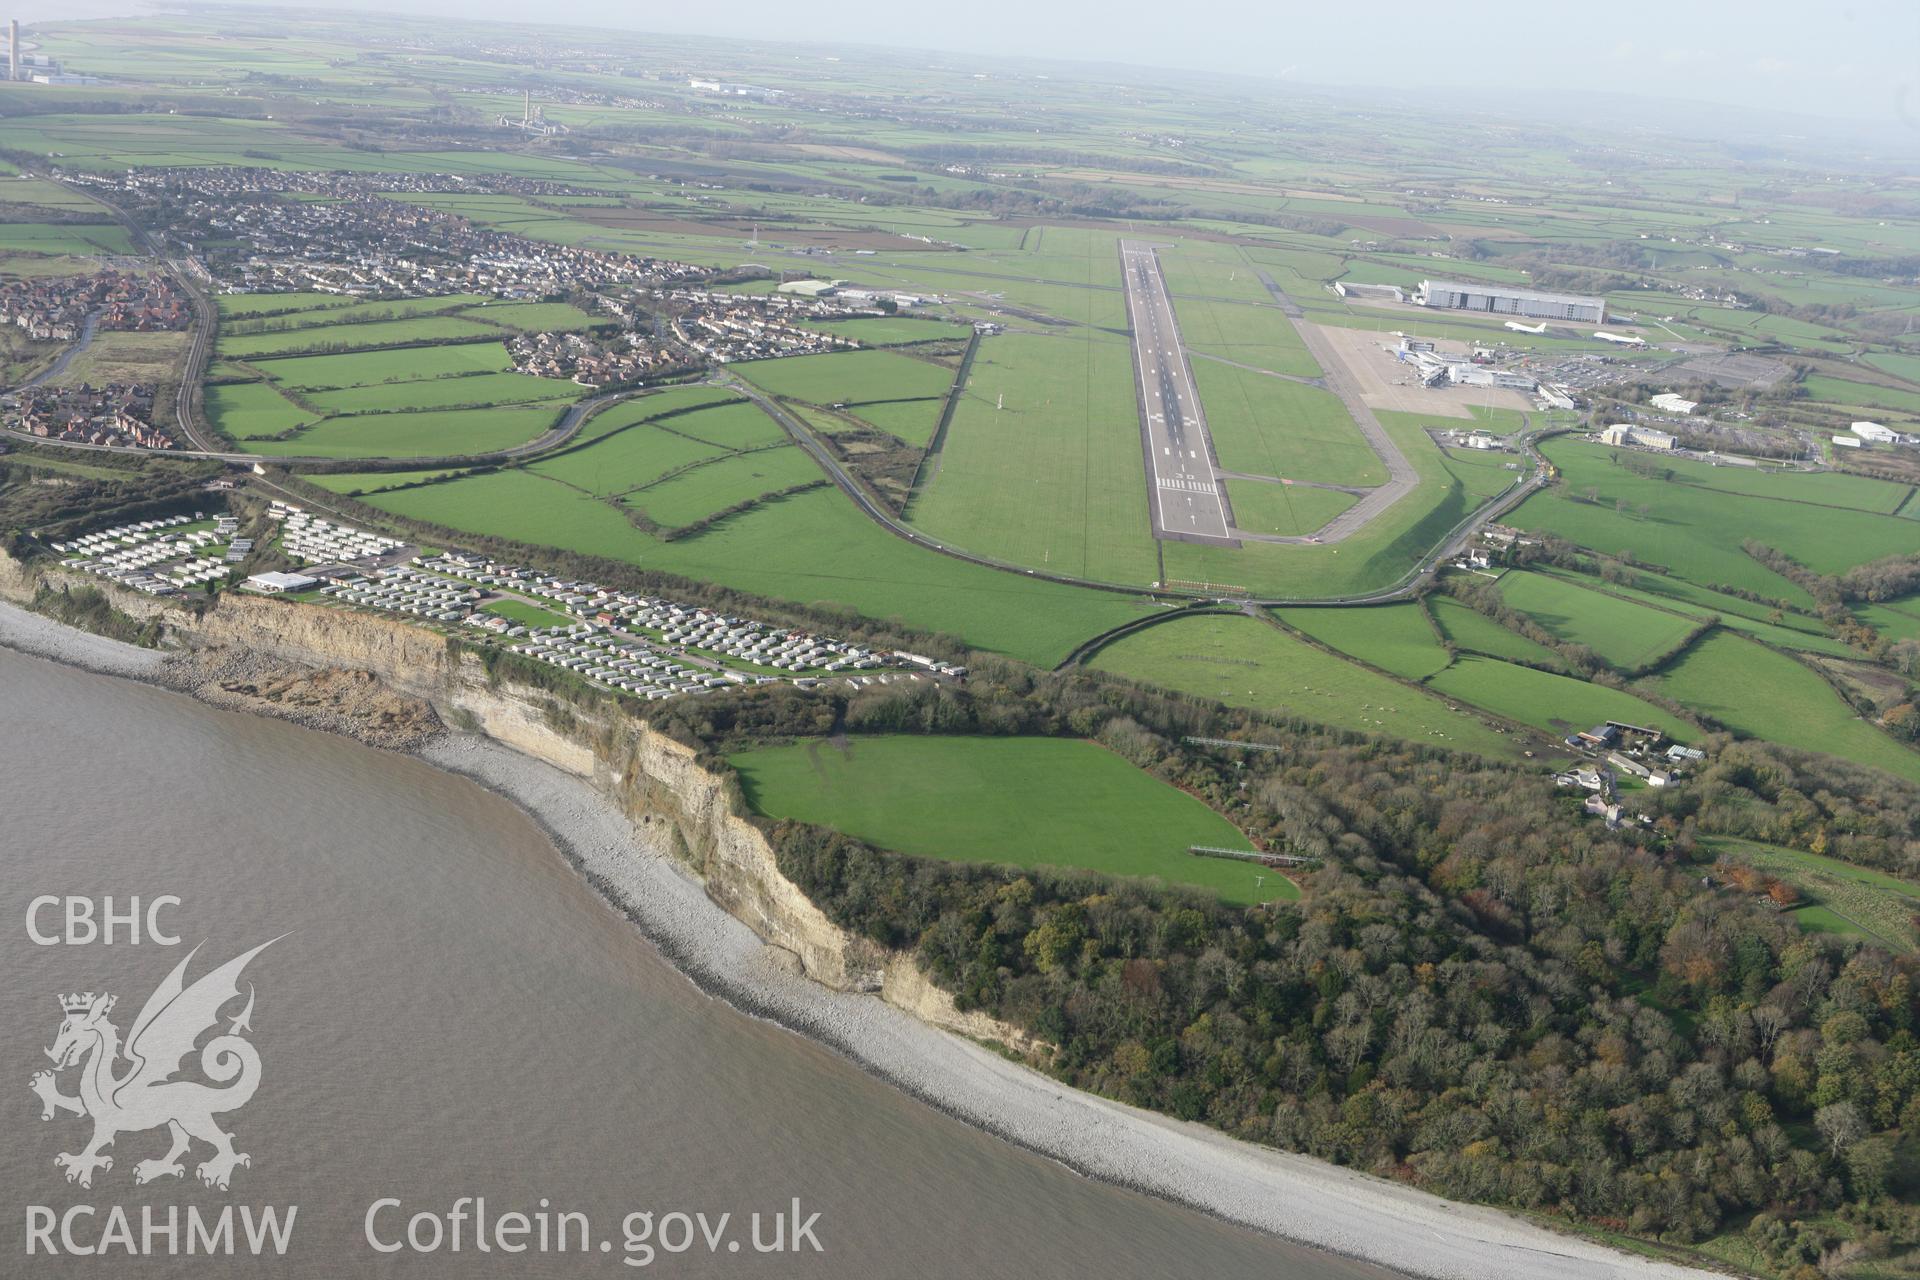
(1496, 299)
(1668, 402)
(1645, 437)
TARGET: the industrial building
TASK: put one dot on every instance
(273, 584)
(1495, 299)
(37, 68)
(1668, 402)
(1434, 367)
(1645, 437)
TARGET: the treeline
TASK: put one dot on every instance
(1484, 598)
(1801, 800)
(1888, 578)
(1483, 995)
(57, 504)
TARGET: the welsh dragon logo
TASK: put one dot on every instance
(144, 1093)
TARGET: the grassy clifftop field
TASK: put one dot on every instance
(1025, 802)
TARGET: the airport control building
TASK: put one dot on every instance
(1503, 301)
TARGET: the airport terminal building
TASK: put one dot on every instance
(1502, 301)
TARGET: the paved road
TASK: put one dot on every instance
(199, 341)
(1187, 499)
(1401, 476)
(65, 358)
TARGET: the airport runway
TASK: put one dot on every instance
(1184, 493)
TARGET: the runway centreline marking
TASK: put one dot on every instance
(1178, 450)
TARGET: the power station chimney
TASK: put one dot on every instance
(13, 48)
(527, 107)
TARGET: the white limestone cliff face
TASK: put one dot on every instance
(650, 777)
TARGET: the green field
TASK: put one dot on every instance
(1559, 704)
(813, 549)
(617, 463)
(888, 331)
(1395, 637)
(419, 330)
(429, 434)
(700, 491)
(1055, 478)
(850, 377)
(253, 410)
(64, 237)
(358, 482)
(1260, 336)
(1269, 427)
(1024, 802)
(408, 403)
(1626, 636)
(1844, 391)
(1792, 631)
(247, 305)
(1244, 662)
(528, 615)
(534, 317)
(251, 313)
(1291, 510)
(1696, 530)
(910, 421)
(1894, 619)
(1839, 897)
(1762, 694)
(1476, 633)
(367, 368)
(480, 391)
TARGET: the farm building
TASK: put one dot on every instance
(1874, 432)
(1446, 295)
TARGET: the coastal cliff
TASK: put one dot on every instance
(312, 663)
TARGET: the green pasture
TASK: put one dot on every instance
(1024, 802)
(1267, 426)
(1050, 475)
(1474, 632)
(1245, 662)
(1842, 897)
(1758, 693)
(1558, 704)
(1394, 637)
(1625, 635)
(813, 548)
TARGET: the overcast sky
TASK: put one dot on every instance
(1857, 59)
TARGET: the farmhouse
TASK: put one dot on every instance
(1584, 776)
